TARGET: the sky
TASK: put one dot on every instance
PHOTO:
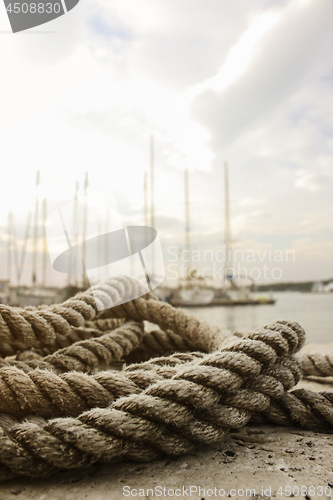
(249, 83)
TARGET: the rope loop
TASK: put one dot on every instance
(113, 391)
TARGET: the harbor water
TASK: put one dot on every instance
(314, 312)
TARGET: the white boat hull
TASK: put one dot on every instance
(196, 296)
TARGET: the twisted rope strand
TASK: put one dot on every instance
(316, 364)
(308, 409)
(48, 394)
(154, 343)
(170, 417)
(87, 355)
(28, 327)
(90, 330)
(300, 408)
(157, 343)
(195, 332)
(165, 406)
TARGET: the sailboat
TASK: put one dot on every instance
(8, 293)
(153, 277)
(235, 290)
(6, 297)
(38, 293)
(193, 289)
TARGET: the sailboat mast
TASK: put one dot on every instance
(145, 199)
(75, 236)
(152, 197)
(35, 241)
(152, 180)
(9, 244)
(84, 232)
(44, 241)
(187, 220)
(24, 248)
(107, 230)
(227, 229)
(15, 249)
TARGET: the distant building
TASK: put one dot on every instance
(5, 295)
(329, 287)
(320, 287)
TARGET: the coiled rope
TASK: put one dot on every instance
(165, 406)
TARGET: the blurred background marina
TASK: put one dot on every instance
(250, 84)
(237, 303)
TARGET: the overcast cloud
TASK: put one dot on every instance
(246, 82)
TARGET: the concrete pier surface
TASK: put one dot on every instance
(254, 462)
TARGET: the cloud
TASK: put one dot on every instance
(286, 58)
(250, 83)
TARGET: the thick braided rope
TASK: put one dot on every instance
(263, 391)
(316, 364)
(310, 410)
(304, 408)
(154, 343)
(285, 370)
(25, 328)
(157, 343)
(90, 330)
(197, 333)
(27, 391)
(240, 402)
(84, 356)
(104, 325)
(78, 392)
(170, 417)
(61, 342)
(300, 408)
(232, 416)
(60, 318)
(47, 394)
(314, 413)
